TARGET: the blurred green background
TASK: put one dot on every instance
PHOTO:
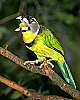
(61, 17)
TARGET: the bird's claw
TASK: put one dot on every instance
(28, 62)
(41, 66)
(48, 63)
(52, 66)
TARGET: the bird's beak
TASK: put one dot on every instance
(18, 29)
(19, 17)
(24, 28)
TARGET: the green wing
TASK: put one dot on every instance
(50, 40)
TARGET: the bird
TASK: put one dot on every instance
(44, 44)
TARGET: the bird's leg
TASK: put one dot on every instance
(40, 59)
(31, 62)
(48, 61)
(50, 64)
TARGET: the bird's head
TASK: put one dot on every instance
(29, 27)
(29, 23)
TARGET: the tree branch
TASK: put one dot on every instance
(22, 7)
(33, 96)
(8, 18)
(13, 16)
(46, 70)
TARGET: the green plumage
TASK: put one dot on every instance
(50, 40)
(44, 46)
(67, 74)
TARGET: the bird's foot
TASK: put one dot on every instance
(41, 66)
(52, 66)
(31, 62)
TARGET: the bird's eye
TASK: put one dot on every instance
(31, 20)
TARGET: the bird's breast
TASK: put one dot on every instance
(28, 36)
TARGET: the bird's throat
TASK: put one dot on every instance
(28, 37)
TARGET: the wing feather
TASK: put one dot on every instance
(50, 40)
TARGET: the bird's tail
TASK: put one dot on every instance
(67, 74)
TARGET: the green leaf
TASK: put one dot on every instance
(15, 95)
(6, 90)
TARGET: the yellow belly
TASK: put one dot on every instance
(44, 51)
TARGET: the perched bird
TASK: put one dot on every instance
(44, 44)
